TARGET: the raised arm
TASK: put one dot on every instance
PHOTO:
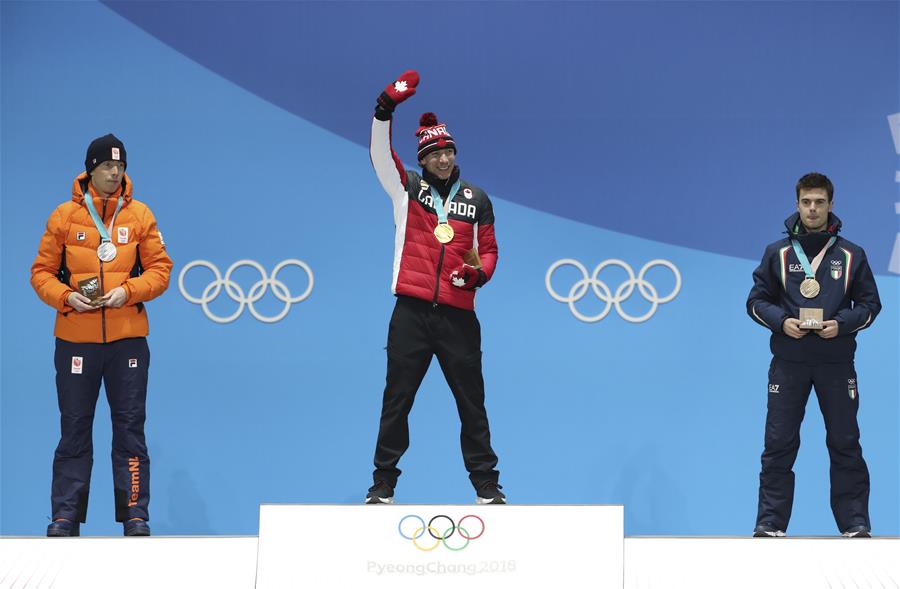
(388, 166)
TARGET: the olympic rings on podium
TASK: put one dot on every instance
(435, 533)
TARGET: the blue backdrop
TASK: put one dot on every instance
(630, 131)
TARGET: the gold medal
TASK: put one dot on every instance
(809, 288)
(444, 233)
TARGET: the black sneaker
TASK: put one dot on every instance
(489, 493)
(380, 492)
(767, 531)
(63, 528)
(136, 527)
(857, 532)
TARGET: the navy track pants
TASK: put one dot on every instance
(122, 368)
(838, 395)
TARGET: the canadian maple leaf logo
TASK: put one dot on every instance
(400, 86)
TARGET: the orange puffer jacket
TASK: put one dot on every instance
(68, 254)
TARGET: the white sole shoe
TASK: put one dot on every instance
(379, 500)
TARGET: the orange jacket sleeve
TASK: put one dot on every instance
(154, 280)
(45, 268)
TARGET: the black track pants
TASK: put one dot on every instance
(122, 367)
(418, 331)
(836, 390)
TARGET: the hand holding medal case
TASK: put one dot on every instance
(90, 287)
(472, 259)
(811, 319)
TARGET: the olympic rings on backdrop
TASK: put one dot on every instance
(254, 294)
(622, 292)
(439, 537)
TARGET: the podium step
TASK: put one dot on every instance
(649, 562)
(398, 546)
(157, 562)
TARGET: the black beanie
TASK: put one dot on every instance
(103, 149)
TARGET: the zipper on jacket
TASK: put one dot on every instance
(437, 283)
(102, 287)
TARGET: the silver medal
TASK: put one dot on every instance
(106, 252)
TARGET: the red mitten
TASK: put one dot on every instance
(399, 90)
(466, 277)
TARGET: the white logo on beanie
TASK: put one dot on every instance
(115, 153)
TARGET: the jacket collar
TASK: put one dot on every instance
(443, 186)
(82, 184)
(811, 243)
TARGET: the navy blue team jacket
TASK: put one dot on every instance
(848, 293)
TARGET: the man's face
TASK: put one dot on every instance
(814, 207)
(440, 162)
(107, 177)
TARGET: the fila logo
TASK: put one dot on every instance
(795, 268)
(80, 236)
(132, 362)
(77, 364)
(115, 153)
(123, 234)
(773, 388)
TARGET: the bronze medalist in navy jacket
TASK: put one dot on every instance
(848, 293)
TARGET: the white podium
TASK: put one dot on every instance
(439, 546)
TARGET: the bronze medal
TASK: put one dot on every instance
(444, 233)
(809, 288)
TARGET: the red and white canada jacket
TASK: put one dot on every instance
(422, 265)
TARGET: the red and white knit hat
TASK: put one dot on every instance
(433, 135)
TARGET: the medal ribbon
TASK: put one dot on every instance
(104, 234)
(810, 269)
(439, 204)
